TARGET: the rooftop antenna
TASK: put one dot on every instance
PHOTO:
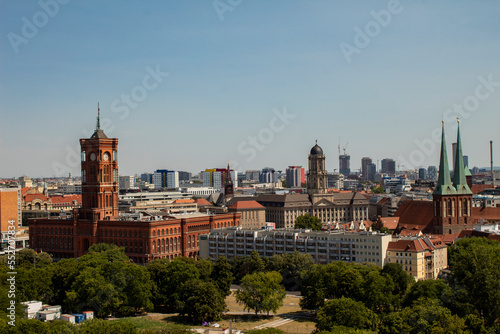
(491, 157)
(98, 117)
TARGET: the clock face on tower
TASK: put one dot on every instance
(92, 156)
(105, 156)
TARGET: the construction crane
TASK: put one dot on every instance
(345, 147)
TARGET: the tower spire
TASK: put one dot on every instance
(444, 186)
(459, 180)
(98, 126)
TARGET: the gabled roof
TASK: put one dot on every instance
(416, 245)
(242, 205)
(389, 222)
(415, 214)
(31, 197)
(203, 202)
(60, 199)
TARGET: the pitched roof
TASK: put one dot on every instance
(415, 214)
(459, 181)
(241, 205)
(389, 222)
(202, 202)
(62, 199)
(31, 197)
(416, 245)
(489, 213)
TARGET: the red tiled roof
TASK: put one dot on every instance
(246, 205)
(31, 197)
(24, 190)
(416, 245)
(490, 213)
(477, 188)
(389, 222)
(184, 201)
(202, 202)
(415, 214)
(60, 199)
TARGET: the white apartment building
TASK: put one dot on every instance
(323, 246)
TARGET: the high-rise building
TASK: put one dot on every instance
(345, 164)
(216, 177)
(126, 182)
(422, 173)
(295, 176)
(268, 175)
(389, 167)
(432, 172)
(147, 177)
(371, 171)
(336, 180)
(163, 178)
(184, 176)
(466, 160)
(252, 175)
(364, 167)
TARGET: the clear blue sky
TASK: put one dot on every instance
(231, 68)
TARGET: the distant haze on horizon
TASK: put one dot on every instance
(192, 85)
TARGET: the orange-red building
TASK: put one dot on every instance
(145, 236)
(10, 208)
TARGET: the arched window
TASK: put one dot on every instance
(449, 208)
(154, 246)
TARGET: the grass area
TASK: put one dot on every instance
(240, 318)
(155, 321)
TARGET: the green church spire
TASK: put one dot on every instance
(444, 186)
(459, 180)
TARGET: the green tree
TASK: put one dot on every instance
(200, 301)
(475, 275)
(261, 292)
(63, 275)
(430, 289)
(346, 312)
(291, 266)
(308, 222)
(428, 316)
(378, 190)
(401, 279)
(313, 288)
(222, 276)
(34, 284)
(378, 292)
(169, 277)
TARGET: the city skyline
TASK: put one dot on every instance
(207, 84)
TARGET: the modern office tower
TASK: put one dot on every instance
(268, 175)
(295, 176)
(389, 166)
(345, 164)
(364, 167)
(371, 171)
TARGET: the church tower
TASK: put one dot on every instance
(452, 202)
(99, 176)
(317, 177)
(228, 183)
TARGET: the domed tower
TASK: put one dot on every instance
(317, 178)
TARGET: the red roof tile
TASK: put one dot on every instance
(202, 202)
(60, 199)
(246, 205)
(31, 197)
(415, 214)
(184, 201)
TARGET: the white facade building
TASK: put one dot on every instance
(323, 246)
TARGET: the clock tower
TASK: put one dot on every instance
(99, 176)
